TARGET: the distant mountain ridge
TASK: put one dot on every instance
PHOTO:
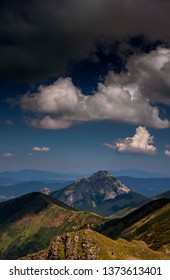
(100, 193)
(25, 175)
(136, 173)
(12, 191)
(147, 186)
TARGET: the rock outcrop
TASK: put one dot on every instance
(71, 246)
(101, 184)
(89, 245)
(100, 193)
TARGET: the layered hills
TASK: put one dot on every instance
(149, 223)
(27, 175)
(147, 186)
(90, 245)
(63, 226)
(100, 193)
(13, 184)
(28, 223)
(15, 190)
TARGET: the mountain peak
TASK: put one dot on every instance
(101, 183)
(101, 174)
(92, 191)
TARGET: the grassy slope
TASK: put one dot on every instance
(92, 203)
(150, 223)
(28, 223)
(154, 229)
(88, 244)
(126, 211)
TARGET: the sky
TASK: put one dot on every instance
(85, 85)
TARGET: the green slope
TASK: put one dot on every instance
(150, 223)
(90, 245)
(28, 223)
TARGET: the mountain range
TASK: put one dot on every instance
(40, 226)
(12, 191)
(25, 175)
(14, 184)
(136, 173)
(147, 186)
(37, 222)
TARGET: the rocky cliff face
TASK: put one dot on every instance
(73, 246)
(89, 245)
(100, 185)
(100, 193)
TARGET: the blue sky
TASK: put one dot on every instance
(78, 95)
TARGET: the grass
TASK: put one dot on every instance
(150, 223)
(100, 247)
(33, 230)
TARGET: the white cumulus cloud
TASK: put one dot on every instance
(140, 143)
(41, 149)
(167, 153)
(62, 105)
(147, 76)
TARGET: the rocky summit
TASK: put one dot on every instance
(100, 184)
(97, 193)
(90, 245)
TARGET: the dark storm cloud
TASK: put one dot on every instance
(40, 38)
